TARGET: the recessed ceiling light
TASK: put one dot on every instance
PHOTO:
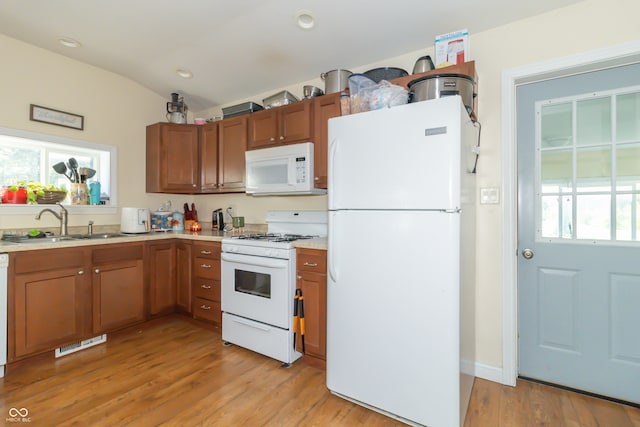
(305, 20)
(68, 42)
(184, 73)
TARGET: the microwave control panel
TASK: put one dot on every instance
(301, 170)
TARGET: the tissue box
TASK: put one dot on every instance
(452, 48)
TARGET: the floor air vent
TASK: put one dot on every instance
(80, 345)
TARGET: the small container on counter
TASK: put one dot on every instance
(178, 221)
(161, 221)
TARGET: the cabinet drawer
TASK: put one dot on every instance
(206, 268)
(207, 310)
(206, 288)
(312, 260)
(211, 251)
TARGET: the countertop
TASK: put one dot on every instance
(203, 236)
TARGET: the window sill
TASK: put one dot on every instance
(11, 209)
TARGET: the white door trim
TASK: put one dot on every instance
(622, 54)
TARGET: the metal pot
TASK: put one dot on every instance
(441, 85)
(335, 80)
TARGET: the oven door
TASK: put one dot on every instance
(258, 288)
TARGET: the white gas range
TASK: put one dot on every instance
(258, 283)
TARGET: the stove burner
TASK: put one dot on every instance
(274, 237)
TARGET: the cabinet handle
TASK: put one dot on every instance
(97, 270)
(272, 139)
(298, 277)
(205, 252)
(205, 286)
(205, 265)
(317, 178)
(310, 264)
(205, 307)
(282, 138)
(194, 186)
(81, 272)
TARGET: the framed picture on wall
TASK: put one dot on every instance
(56, 117)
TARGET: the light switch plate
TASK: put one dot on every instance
(489, 196)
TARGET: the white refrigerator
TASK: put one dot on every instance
(401, 269)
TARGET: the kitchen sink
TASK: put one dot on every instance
(27, 240)
(21, 240)
(97, 236)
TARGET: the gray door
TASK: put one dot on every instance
(579, 231)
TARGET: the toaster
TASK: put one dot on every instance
(135, 220)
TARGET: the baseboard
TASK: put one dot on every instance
(480, 370)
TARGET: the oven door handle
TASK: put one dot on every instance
(255, 261)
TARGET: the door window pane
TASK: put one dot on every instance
(628, 117)
(593, 217)
(627, 217)
(628, 167)
(593, 169)
(557, 125)
(556, 169)
(556, 216)
(593, 121)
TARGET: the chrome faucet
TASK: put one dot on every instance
(62, 216)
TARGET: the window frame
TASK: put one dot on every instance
(574, 147)
(111, 208)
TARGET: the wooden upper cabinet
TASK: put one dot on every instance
(324, 108)
(209, 157)
(172, 158)
(281, 125)
(231, 148)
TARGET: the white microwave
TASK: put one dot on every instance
(285, 170)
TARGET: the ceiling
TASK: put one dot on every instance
(239, 48)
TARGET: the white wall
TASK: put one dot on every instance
(117, 110)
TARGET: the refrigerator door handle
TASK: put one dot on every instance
(332, 250)
(333, 148)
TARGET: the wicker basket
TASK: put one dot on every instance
(51, 197)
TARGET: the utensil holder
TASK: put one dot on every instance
(79, 194)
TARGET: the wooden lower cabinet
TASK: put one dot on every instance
(48, 294)
(118, 287)
(311, 267)
(183, 276)
(205, 270)
(61, 296)
(161, 269)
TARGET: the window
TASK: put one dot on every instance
(588, 152)
(26, 156)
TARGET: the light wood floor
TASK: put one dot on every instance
(174, 373)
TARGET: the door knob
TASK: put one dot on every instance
(527, 253)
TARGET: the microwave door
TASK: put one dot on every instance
(270, 174)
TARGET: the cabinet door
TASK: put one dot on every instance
(324, 108)
(263, 129)
(209, 157)
(295, 122)
(172, 158)
(314, 292)
(49, 309)
(162, 279)
(183, 276)
(232, 146)
(118, 295)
